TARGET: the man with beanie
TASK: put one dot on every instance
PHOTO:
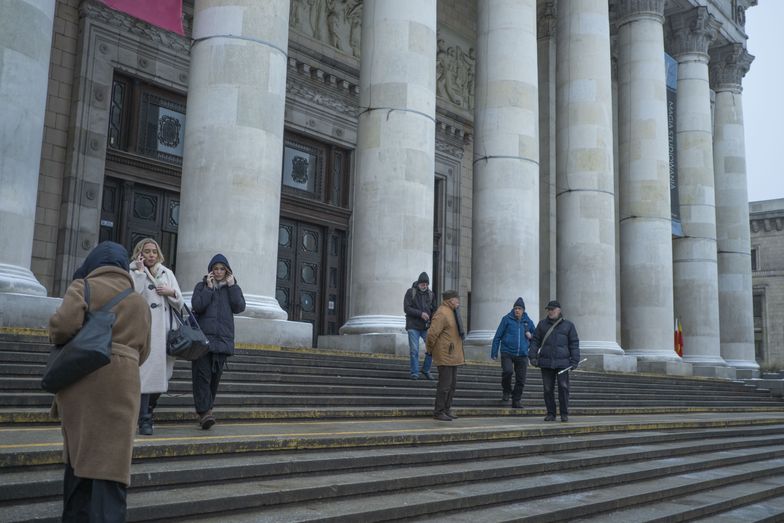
(445, 343)
(512, 337)
(419, 304)
(555, 347)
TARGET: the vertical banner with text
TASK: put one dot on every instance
(671, 66)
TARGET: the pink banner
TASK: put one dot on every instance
(166, 14)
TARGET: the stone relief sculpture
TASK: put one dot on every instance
(455, 74)
(337, 23)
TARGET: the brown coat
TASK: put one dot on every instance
(443, 339)
(99, 412)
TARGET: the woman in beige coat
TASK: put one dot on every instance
(158, 286)
(445, 343)
(98, 412)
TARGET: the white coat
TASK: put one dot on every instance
(157, 370)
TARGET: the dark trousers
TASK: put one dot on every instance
(147, 405)
(517, 365)
(205, 376)
(92, 500)
(445, 390)
(549, 377)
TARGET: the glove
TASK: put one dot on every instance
(534, 362)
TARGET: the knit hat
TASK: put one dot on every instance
(553, 304)
(519, 303)
(423, 278)
(219, 258)
(449, 295)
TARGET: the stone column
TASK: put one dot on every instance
(233, 153)
(695, 274)
(505, 235)
(585, 196)
(25, 45)
(728, 66)
(546, 12)
(392, 225)
(645, 217)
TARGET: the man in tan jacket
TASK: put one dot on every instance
(445, 343)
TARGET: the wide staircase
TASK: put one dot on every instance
(314, 436)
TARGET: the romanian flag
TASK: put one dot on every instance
(166, 14)
(678, 338)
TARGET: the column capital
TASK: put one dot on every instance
(546, 18)
(631, 10)
(693, 31)
(728, 65)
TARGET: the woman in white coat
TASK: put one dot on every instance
(159, 287)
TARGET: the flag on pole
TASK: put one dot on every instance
(166, 14)
(678, 338)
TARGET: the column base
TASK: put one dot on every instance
(608, 362)
(18, 280)
(25, 311)
(668, 367)
(477, 345)
(600, 347)
(714, 371)
(375, 343)
(745, 369)
(281, 333)
(375, 324)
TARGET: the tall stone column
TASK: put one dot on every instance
(695, 275)
(728, 66)
(585, 195)
(393, 190)
(233, 154)
(505, 257)
(645, 217)
(25, 44)
(546, 12)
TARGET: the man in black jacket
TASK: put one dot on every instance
(419, 304)
(554, 348)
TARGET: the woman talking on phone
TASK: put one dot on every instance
(216, 299)
(157, 284)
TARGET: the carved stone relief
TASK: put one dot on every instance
(455, 64)
(336, 23)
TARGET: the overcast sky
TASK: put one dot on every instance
(763, 102)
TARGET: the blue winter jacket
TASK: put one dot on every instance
(510, 335)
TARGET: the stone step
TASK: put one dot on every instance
(466, 488)
(770, 510)
(481, 480)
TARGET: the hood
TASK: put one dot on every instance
(104, 254)
(219, 258)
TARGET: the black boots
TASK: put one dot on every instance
(145, 425)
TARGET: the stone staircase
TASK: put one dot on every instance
(312, 436)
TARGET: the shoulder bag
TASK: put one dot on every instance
(535, 361)
(89, 350)
(187, 341)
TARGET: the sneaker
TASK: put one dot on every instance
(564, 417)
(207, 421)
(441, 416)
(549, 417)
(506, 396)
(517, 405)
(451, 414)
(427, 375)
(414, 377)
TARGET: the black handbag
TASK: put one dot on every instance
(89, 350)
(186, 342)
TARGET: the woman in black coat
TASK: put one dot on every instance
(216, 299)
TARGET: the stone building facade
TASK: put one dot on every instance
(767, 269)
(334, 149)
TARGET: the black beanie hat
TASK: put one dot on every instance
(423, 278)
(519, 303)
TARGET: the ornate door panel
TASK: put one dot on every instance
(132, 211)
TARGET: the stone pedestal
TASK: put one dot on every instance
(25, 44)
(383, 343)
(715, 371)
(669, 368)
(505, 233)
(585, 193)
(694, 254)
(609, 363)
(25, 311)
(230, 194)
(728, 66)
(645, 214)
(392, 236)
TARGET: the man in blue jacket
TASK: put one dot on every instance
(512, 336)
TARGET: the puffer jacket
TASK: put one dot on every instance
(415, 302)
(215, 309)
(561, 349)
(510, 335)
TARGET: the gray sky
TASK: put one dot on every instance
(763, 103)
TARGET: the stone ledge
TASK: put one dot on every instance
(282, 333)
(383, 343)
(669, 368)
(714, 371)
(609, 363)
(25, 311)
